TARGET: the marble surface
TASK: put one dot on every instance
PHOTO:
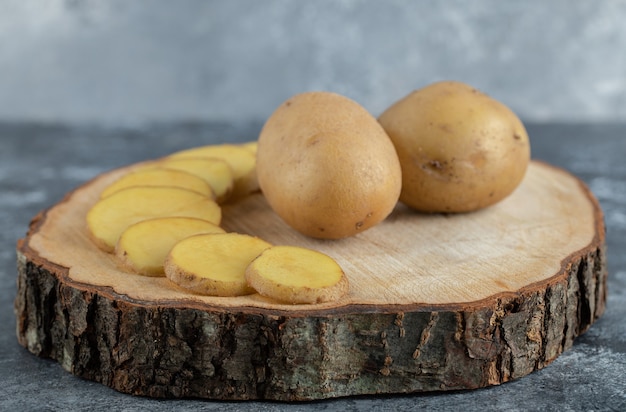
(39, 163)
(118, 61)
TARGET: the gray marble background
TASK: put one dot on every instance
(136, 62)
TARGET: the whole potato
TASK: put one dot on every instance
(460, 150)
(326, 166)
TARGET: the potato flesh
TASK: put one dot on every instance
(109, 217)
(159, 177)
(297, 275)
(214, 264)
(252, 146)
(143, 247)
(158, 230)
(291, 266)
(241, 160)
(216, 172)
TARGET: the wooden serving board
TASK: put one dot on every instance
(437, 302)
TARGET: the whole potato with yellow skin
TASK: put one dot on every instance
(460, 150)
(326, 166)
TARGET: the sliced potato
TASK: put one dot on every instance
(143, 247)
(214, 264)
(216, 172)
(252, 146)
(297, 275)
(159, 177)
(109, 217)
(241, 160)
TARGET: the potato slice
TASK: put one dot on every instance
(252, 146)
(216, 172)
(109, 217)
(241, 160)
(214, 264)
(159, 177)
(143, 247)
(297, 275)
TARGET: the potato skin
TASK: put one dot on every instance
(326, 166)
(460, 150)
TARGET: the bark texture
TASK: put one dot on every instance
(171, 351)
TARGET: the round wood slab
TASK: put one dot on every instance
(436, 302)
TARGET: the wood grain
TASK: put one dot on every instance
(436, 302)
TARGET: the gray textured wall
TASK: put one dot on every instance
(123, 62)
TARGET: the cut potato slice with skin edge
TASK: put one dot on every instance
(214, 264)
(143, 247)
(109, 217)
(214, 171)
(252, 146)
(297, 275)
(241, 160)
(159, 177)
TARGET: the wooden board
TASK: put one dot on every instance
(436, 302)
